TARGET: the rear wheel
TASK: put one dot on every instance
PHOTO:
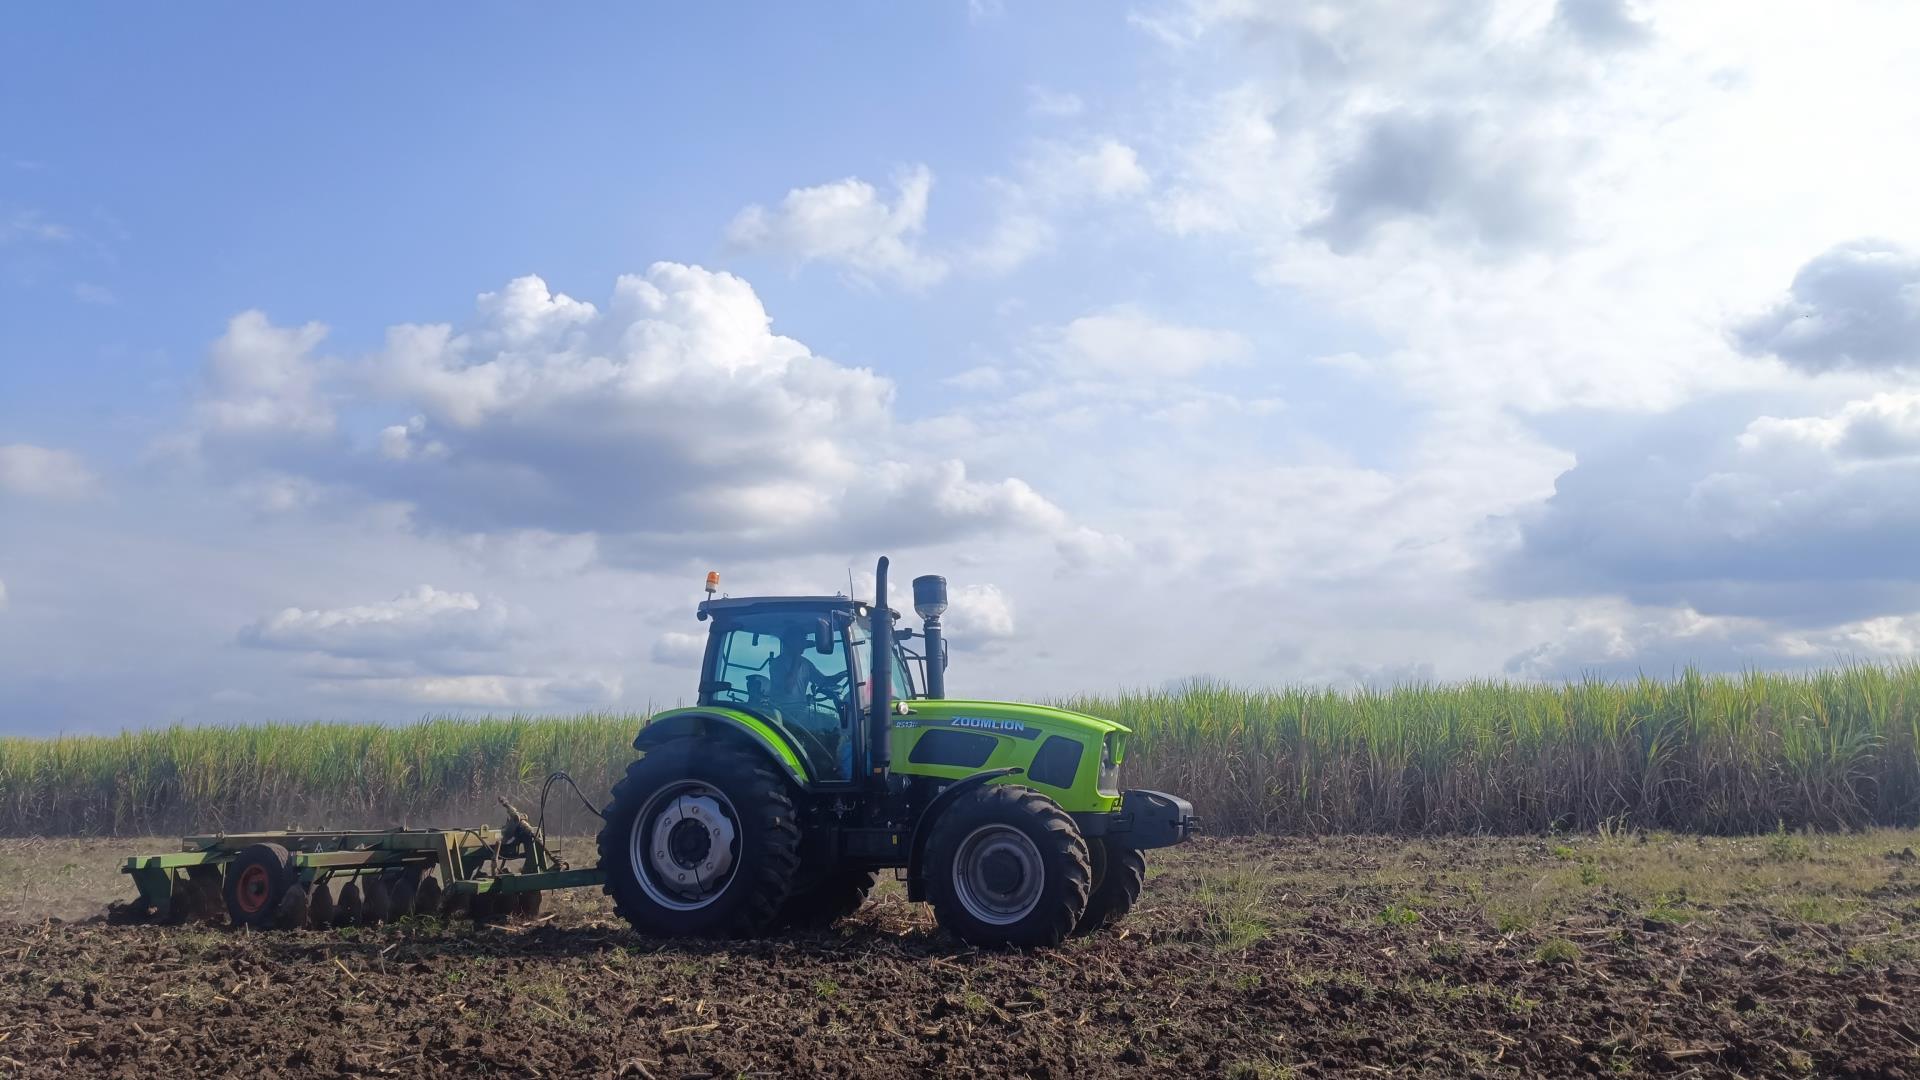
(700, 841)
(1118, 876)
(1006, 866)
(256, 881)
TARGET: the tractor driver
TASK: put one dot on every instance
(795, 679)
(794, 683)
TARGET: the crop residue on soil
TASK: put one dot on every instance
(1781, 955)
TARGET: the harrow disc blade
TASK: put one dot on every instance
(292, 912)
(402, 898)
(320, 906)
(346, 910)
(427, 899)
(130, 912)
(376, 902)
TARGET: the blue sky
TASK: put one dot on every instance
(1279, 342)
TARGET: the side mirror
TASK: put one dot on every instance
(823, 639)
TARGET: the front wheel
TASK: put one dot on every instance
(700, 841)
(1118, 875)
(1007, 866)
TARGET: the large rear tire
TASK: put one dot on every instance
(700, 840)
(1006, 866)
(1118, 876)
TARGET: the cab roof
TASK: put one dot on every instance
(735, 605)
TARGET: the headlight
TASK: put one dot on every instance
(1109, 772)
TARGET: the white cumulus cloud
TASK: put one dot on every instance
(1129, 343)
(1886, 425)
(1855, 306)
(850, 224)
(671, 420)
(262, 379)
(979, 615)
(421, 618)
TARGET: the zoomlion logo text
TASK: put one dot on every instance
(988, 724)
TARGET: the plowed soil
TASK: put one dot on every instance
(1776, 956)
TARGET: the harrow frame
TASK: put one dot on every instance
(470, 862)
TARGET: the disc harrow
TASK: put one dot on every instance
(286, 880)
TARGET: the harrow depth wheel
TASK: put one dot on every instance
(257, 881)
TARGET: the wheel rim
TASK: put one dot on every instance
(684, 845)
(253, 888)
(998, 874)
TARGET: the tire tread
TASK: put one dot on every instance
(1119, 889)
(1060, 843)
(770, 805)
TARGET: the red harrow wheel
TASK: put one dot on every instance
(257, 881)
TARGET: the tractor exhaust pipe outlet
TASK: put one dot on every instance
(930, 601)
(880, 730)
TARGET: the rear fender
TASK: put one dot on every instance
(728, 726)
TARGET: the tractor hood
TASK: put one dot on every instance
(1009, 717)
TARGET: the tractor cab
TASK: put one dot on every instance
(800, 664)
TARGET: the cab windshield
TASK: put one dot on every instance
(863, 658)
(791, 668)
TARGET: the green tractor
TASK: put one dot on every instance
(814, 759)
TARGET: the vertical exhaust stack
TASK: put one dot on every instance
(880, 722)
(930, 601)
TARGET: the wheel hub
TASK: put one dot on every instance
(998, 874)
(1001, 872)
(683, 845)
(253, 888)
(688, 843)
